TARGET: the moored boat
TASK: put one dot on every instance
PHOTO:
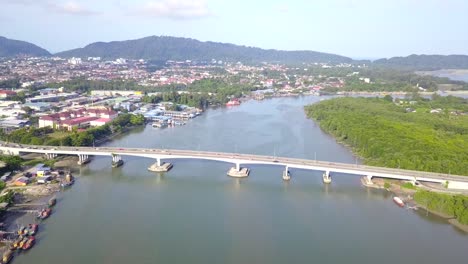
(16, 243)
(32, 229)
(44, 213)
(233, 102)
(23, 241)
(52, 201)
(22, 231)
(398, 201)
(29, 243)
(7, 257)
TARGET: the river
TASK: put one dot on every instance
(196, 214)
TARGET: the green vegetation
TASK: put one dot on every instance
(452, 205)
(50, 137)
(171, 48)
(384, 134)
(11, 47)
(408, 185)
(426, 62)
(7, 197)
(387, 185)
(12, 162)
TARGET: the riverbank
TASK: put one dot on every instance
(404, 190)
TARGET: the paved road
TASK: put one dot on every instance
(240, 159)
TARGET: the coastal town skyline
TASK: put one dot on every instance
(358, 29)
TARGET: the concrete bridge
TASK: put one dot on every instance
(454, 181)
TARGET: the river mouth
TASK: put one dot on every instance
(195, 213)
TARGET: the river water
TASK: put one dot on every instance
(196, 214)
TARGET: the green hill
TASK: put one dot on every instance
(11, 47)
(426, 62)
(172, 48)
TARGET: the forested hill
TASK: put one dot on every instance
(387, 134)
(172, 48)
(11, 48)
(426, 62)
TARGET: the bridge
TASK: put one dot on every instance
(116, 153)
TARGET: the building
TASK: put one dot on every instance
(9, 125)
(7, 93)
(22, 181)
(38, 107)
(80, 122)
(100, 122)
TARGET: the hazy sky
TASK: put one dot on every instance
(355, 28)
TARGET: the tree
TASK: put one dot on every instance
(388, 98)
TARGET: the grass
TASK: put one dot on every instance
(408, 185)
(58, 134)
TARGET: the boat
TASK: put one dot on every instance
(16, 243)
(29, 243)
(44, 213)
(398, 201)
(32, 230)
(7, 257)
(22, 231)
(286, 175)
(68, 181)
(233, 102)
(52, 201)
(21, 244)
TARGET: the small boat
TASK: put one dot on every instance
(52, 201)
(286, 175)
(22, 231)
(29, 243)
(32, 230)
(233, 102)
(44, 213)
(398, 201)
(326, 177)
(16, 243)
(7, 257)
(21, 244)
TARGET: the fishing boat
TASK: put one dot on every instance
(44, 213)
(398, 201)
(7, 257)
(286, 175)
(52, 201)
(22, 231)
(68, 181)
(32, 229)
(233, 102)
(16, 243)
(29, 243)
(21, 244)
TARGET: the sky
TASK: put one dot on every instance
(353, 28)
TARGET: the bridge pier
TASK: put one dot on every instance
(286, 174)
(116, 161)
(160, 166)
(238, 172)
(50, 156)
(367, 181)
(326, 177)
(83, 159)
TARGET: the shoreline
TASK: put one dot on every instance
(407, 195)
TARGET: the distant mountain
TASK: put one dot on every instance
(172, 48)
(11, 47)
(426, 62)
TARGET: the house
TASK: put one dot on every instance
(38, 107)
(80, 122)
(7, 93)
(100, 122)
(44, 179)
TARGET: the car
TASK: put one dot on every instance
(275, 161)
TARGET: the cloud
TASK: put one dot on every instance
(175, 9)
(60, 7)
(282, 8)
(71, 8)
